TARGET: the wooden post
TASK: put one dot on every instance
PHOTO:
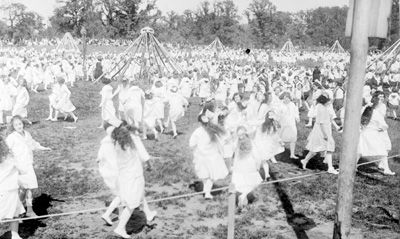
(231, 211)
(351, 133)
(83, 32)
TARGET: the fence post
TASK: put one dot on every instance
(231, 211)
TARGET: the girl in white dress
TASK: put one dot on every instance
(64, 104)
(374, 138)
(10, 204)
(47, 75)
(107, 104)
(159, 95)
(130, 154)
(245, 175)
(177, 105)
(208, 155)
(320, 138)
(312, 102)
(134, 105)
(21, 100)
(22, 145)
(149, 115)
(267, 142)
(53, 99)
(253, 105)
(107, 161)
(236, 115)
(7, 93)
(288, 117)
(204, 87)
(123, 94)
(186, 86)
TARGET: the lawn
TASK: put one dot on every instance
(69, 172)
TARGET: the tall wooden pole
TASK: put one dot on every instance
(84, 52)
(231, 211)
(398, 15)
(351, 133)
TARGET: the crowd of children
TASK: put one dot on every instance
(250, 113)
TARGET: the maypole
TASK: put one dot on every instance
(363, 22)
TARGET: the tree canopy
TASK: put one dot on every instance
(260, 25)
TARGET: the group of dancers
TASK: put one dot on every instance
(249, 114)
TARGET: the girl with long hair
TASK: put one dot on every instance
(267, 142)
(207, 149)
(107, 162)
(245, 175)
(131, 154)
(374, 138)
(236, 115)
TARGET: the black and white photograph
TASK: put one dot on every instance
(200, 119)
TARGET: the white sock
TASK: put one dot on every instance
(113, 205)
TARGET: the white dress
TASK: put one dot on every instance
(22, 147)
(130, 182)
(316, 142)
(159, 94)
(55, 93)
(21, 102)
(64, 103)
(133, 104)
(10, 204)
(235, 117)
(149, 114)
(252, 109)
(107, 159)
(107, 104)
(123, 94)
(185, 88)
(176, 106)
(374, 138)
(207, 156)
(266, 145)
(288, 115)
(245, 175)
(204, 88)
(7, 92)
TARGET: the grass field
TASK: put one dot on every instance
(69, 172)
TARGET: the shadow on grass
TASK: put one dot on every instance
(315, 163)
(27, 228)
(299, 222)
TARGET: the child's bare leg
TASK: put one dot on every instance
(307, 158)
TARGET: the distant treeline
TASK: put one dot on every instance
(259, 26)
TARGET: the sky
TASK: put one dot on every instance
(46, 7)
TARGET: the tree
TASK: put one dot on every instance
(121, 17)
(220, 19)
(325, 25)
(260, 16)
(21, 23)
(74, 14)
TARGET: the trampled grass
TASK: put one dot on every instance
(70, 172)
